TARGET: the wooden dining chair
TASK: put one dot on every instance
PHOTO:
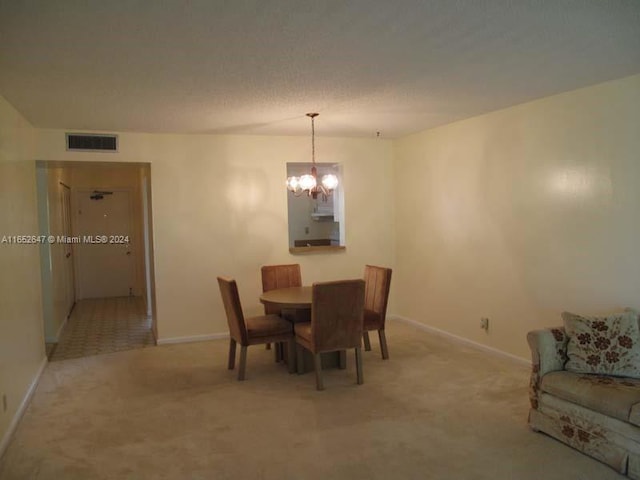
(336, 323)
(252, 330)
(378, 281)
(279, 276)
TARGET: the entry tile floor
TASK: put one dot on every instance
(104, 325)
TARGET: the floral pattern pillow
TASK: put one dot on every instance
(604, 345)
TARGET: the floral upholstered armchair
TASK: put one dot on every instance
(585, 387)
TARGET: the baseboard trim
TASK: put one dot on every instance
(64, 324)
(56, 338)
(4, 443)
(194, 338)
(456, 338)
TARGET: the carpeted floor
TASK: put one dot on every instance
(435, 410)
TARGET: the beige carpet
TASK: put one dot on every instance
(435, 410)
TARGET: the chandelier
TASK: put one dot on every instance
(309, 183)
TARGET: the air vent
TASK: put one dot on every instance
(92, 143)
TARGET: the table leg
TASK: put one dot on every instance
(300, 358)
(291, 354)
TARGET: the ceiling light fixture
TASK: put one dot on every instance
(309, 183)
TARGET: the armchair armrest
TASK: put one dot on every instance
(548, 353)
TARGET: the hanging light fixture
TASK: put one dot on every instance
(309, 183)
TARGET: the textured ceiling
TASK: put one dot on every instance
(256, 66)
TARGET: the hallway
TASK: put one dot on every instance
(104, 325)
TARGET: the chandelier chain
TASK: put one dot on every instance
(313, 141)
(313, 116)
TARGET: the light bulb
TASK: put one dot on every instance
(307, 182)
(330, 181)
(293, 184)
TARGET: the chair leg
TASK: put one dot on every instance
(291, 353)
(383, 344)
(343, 359)
(299, 359)
(367, 342)
(359, 365)
(243, 362)
(232, 354)
(317, 365)
(267, 346)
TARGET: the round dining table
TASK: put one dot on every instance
(288, 298)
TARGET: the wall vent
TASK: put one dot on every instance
(92, 142)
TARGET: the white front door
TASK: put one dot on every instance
(105, 249)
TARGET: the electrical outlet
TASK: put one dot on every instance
(484, 323)
(4, 402)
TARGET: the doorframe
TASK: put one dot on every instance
(144, 171)
(68, 215)
(148, 245)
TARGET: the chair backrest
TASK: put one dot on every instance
(378, 282)
(233, 308)
(279, 276)
(337, 310)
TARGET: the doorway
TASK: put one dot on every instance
(101, 221)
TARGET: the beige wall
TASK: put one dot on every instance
(520, 214)
(220, 208)
(60, 286)
(21, 331)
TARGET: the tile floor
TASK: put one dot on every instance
(104, 325)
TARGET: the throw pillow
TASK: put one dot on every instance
(603, 345)
(634, 311)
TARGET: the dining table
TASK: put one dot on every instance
(295, 306)
(293, 302)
